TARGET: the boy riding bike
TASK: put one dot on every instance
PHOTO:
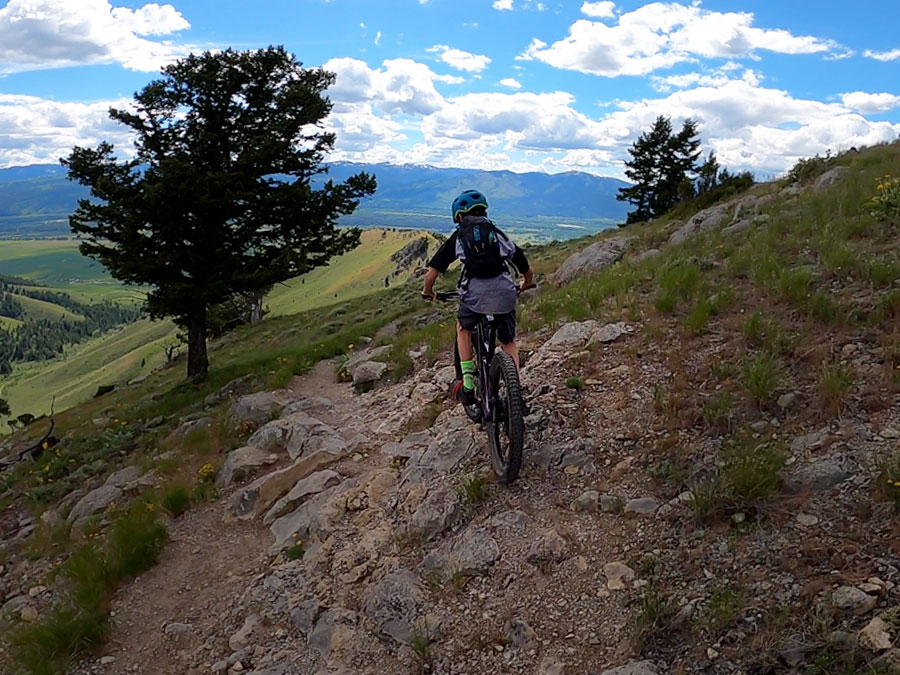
(485, 285)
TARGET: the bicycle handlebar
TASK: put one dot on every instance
(446, 296)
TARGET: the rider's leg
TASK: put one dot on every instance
(467, 365)
(512, 349)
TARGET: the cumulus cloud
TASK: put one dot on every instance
(36, 34)
(870, 103)
(599, 10)
(503, 4)
(461, 60)
(511, 82)
(523, 4)
(400, 86)
(35, 131)
(661, 34)
(892, 55)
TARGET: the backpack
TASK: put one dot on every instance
(483, 258)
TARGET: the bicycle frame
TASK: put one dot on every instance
(485, 344)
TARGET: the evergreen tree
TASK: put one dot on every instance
(660, 168)
(4, 407)
(708, 174)
(218, 199)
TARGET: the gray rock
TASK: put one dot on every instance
(310, 518)
(298, 434)
(123, 477)
(241, 639)
(394, 604)
(368, 373)
(520, 634)
(810, 441)
(550, 665)
(559, 455)
(443, 455)
(876, 636)
(516, 520)
(785, 401)
(829, 178)
(644, 506)
(587, 501)
(438, 511)
(708, 219)
(472, 554)
(618, 575)
(333, 632)
(94, 502)
(633, 668)
(15, 605)
(608, 333)
(744, 207)
(649, 254)
(792, 190)
(189, 428)
(611, 504)
(259, 408)
(241, 463)
(257, 497)
(594, 258)
(303, 490)
(549, 547)
(739, 226)
(820, 474)
(304, 615)
(852, 599)
(571, 335)
(174, 629)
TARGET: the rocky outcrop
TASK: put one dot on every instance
(594, 258)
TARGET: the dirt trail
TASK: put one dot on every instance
(204, 569)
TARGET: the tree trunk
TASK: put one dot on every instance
(256, 307)
(197, 362)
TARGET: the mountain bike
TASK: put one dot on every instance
(501, 408)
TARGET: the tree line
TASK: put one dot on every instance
(666, 169)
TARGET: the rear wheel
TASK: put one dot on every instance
(507, 429)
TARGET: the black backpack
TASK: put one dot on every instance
(481, 248)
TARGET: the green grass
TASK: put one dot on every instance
(762, 377)
(79, 620)
(723, 608)
(38, 310)
(175, 500)
(474, 490)
(354, 274)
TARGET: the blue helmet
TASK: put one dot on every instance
(467, 201)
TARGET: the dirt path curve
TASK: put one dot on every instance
(164, 617)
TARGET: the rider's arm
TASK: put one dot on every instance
(430, 277)
(528, 278)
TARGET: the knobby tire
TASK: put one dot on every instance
(509, 418)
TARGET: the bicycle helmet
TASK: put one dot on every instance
(467, 201)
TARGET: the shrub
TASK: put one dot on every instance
(576, 383)
(723, 607)
(834, 383)
(655, 613)
(474, 490)
(808, 169)
(175, 500)
(717, 411)
(698, 318)
(886, 202)
(761, 377)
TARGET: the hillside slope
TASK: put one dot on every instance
(711, 477)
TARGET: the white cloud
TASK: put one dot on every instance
(523, 4)
(511, 82)
(378, 38)
(661, 34)
(36, 34)
(400, 86)
(892, 55)
(457, 58)
(599, 10)
(503, 4)
(870, 103)
(34, 130)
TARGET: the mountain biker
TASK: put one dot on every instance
(485, 284)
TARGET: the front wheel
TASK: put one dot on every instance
(507, 428)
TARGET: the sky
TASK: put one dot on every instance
(523, 85)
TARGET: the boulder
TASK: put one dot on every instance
(367, 373)
(571, 335)
(852, 599)
(257, 497)
(241, 463)
(649, 254)
(334, 632)
(594, 258)
(259, 408)
(395, 603)
(820, 474)
(304, 489)
(739, 226)
(549, 547)
(829, 178)
(618, 575)
(94, 502)
(608, 333)
(313, 516)
(705, 220)
(298, 434)
(472, 554)
(437, 512)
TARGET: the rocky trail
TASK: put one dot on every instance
(363, 533)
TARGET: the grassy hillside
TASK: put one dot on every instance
(359, 272)
(116, 358)
(38, 310)
(113, 358)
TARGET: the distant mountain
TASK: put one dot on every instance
(36, 200)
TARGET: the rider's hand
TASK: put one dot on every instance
(429, 295)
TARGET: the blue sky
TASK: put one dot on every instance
(546, 85)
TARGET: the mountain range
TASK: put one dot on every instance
(35, 201)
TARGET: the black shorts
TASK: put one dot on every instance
(506, 323)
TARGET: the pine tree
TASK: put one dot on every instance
(219, 197)
(661, 168)
(708, 174)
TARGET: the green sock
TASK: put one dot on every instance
(468, 371)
